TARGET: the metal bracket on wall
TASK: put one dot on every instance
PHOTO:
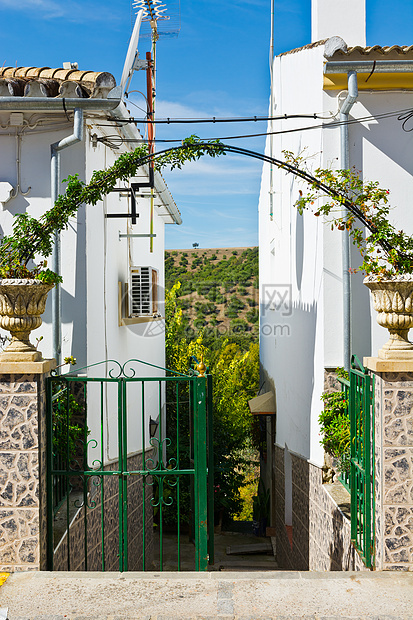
(131, 191)
(125, 236)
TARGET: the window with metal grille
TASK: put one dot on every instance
(143, 291)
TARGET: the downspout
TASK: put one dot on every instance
(345, 165)
(271, 136)
(56, 148)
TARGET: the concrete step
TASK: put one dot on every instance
(269, 595)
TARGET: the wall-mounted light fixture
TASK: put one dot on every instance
(153, 427)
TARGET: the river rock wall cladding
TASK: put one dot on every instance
(22, 476)
(394, 471)
(94, 527)
(320, 531)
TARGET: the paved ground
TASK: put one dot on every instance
(223, 561)
(229, 595)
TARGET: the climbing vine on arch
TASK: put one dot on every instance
(385, 250)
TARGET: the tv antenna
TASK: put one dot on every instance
(159, 19)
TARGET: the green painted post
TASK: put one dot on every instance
(102, 478)
(143, 477)
(49, 475)
(192, 534)
(353, 477)
(367, 470)
(120, 464)
(124, 475)
(210, 429)
(201, 499)
(372, 469)
(362, 462)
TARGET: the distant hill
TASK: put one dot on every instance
(219, 288)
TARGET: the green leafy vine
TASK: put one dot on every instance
(385, 251)
(33, 237)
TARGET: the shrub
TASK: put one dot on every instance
(231, 313)
(335, 426)
(234, 302)
(252, 316)
(199, 322)
(239, 325)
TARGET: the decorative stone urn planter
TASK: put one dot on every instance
(21, 304)
(393, 300)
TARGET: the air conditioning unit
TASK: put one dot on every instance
(143, 291)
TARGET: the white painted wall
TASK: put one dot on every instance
(291, 262)
(107, 264)
(343, 18)
(94, 260)
(35, 172)
(383, 152)
(302, 255)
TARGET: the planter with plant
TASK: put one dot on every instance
(387, 253)
(25, 279)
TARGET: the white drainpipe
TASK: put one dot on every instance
(56, 148)
(345, 165)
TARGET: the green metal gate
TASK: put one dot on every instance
(361, 407)
(129, 469)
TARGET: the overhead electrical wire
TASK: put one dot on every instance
(401, 114)
(214, 119)
(241, 119)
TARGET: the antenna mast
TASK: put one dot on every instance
(153, 11)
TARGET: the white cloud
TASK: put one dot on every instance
(175, 109)
(72, 11)
(24, 5)
(223, 166)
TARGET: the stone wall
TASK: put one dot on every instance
(320, 530)
(22, 476)
(93, 527)
(394, 470)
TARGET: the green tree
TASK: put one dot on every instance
(235, 379)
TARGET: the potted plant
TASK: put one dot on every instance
(387, 253)
(25, 282)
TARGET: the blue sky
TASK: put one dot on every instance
(217, 66)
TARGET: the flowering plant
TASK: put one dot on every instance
(385, 251)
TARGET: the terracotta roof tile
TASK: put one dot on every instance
(309, 46)
(399, 49)
(357, 49)
(47, 82)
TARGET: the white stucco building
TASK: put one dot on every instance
(302, 274)
(97, 256)
(113, 269)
